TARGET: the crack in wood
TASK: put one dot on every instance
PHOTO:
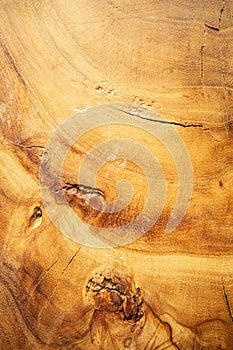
(83, 189)
(216, 29)
(202, 56)
(221, 13)
(223, 68)
(162, 121)
(21, 145)
(198, 125)
(44, 275)
(227, 301)
(212, 27)
(44, 307)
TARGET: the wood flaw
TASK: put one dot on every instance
(159, 65)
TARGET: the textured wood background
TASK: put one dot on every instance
(162, 291)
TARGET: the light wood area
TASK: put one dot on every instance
(162, 290)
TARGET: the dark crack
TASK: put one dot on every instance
(30, 147)
(44, 307)
(71, 260)
(161, 121)
(220, 14)
(43, 276)
(82, 189)
(21, 145)
(227, 301)
(166, 122)
(223, 71)
(212, 27)
(217, 29)
(203, 56)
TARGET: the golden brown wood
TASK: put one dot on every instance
(162, 291)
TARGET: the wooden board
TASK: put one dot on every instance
(161, 291)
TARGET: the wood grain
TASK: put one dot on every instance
(162, 291)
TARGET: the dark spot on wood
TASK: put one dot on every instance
(220, 183)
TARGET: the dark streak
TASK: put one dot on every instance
(13, 64)
(82, 188)
(212, 27)
(56, 286)
(166, 122)
(220, 183)
(73, 257)
(227, 301)
(220, 14)
(44, 275)
(202, 55)
(31, 147)
(21, 145)
(217, 29)
(49, 268)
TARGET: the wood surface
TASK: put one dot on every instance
(161, 291)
